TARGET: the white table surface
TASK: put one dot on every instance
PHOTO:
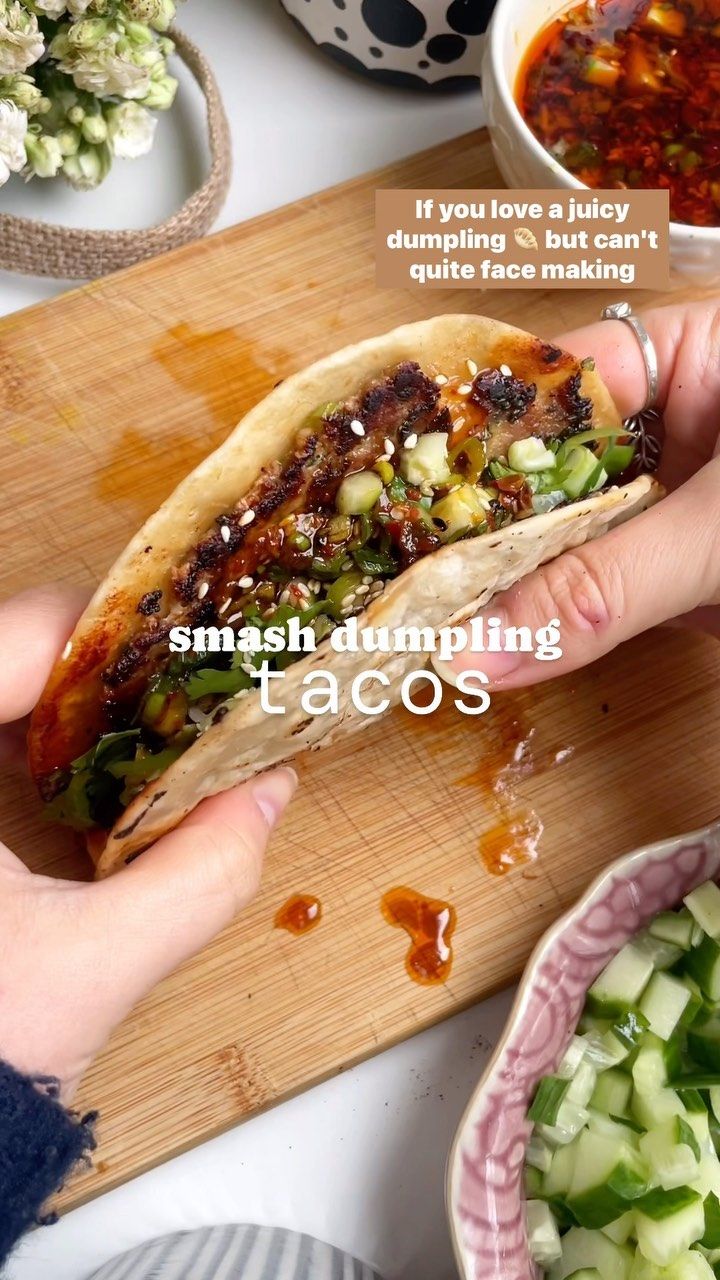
(358, 1161)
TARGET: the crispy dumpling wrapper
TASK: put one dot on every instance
(445, 587)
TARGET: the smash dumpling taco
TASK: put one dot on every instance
(405, 479)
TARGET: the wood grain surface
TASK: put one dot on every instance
(107, 397)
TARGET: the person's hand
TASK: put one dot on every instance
(76, 957)
(663, 564)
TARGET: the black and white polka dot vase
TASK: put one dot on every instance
(417, 44)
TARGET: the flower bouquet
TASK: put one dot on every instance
(79, 82)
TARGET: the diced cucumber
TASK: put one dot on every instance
(621, 982)
(582, 1085)
(593, 1250)
(689, 1266)
(676, 927)
(622, 1228)
(607, 1176)
(427, 462)
(711, 1238)
(582, 473)
(693, 1101)
(615, 1127)
(663, 1003)
(558, 1179)
(704, 904)
(703, 1042)
(604, 1049)
(654, 1107)
(663, 954)
(586, 1273)
(643, 1270)
(612, 1093)
(703, 964)
(699, 1122)
(667, 1223)
(358, 493)
(530, 455)
(539, 1154)
(656, 1062)
(533, 1182)
(543, 1235)
(708, 1178)
(571, 1058)
(570, 1120)
(630, 1027)
(672, 1154)
(548, 1099)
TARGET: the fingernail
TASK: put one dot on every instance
(272, 793)
(498, 667)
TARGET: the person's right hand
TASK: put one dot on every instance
(663, 564)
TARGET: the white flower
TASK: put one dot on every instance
(87, 169)
(78, 7)
(105, 70)
(44, 154)
(53, 8)
(21, 43)
(132, 130)
(13, 128)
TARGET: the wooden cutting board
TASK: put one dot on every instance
(107, 397)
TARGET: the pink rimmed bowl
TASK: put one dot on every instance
(485, 1172)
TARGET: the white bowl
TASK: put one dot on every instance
(523, 162)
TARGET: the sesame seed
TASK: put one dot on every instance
(384, 457)
(396, 513)
(346, 564)
(313, 584)
(411, 441)
(458, 424)
(203, 590)
(464, 389)
(235, 617)
(247, 518)
(245, 583)
(471, 368)
(362, 590)
(225, 532)
(67, 650)
(345, 613)
(248, 668)
(285, 596)
(226, 605)
(367, 580)
(506, 371)
(389, 446)
(441, 380)
(268, 613)
(357, 427)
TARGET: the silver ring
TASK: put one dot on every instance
(623, 311)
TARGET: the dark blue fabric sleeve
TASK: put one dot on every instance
(40, 1144)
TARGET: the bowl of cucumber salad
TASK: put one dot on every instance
(591, 1147)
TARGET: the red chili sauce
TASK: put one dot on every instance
(430, 924)
(628, 95)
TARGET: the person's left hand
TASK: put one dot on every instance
(76, 957)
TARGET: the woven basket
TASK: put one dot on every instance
(71, 253)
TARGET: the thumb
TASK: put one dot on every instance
(659, 565)
(174, 899)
